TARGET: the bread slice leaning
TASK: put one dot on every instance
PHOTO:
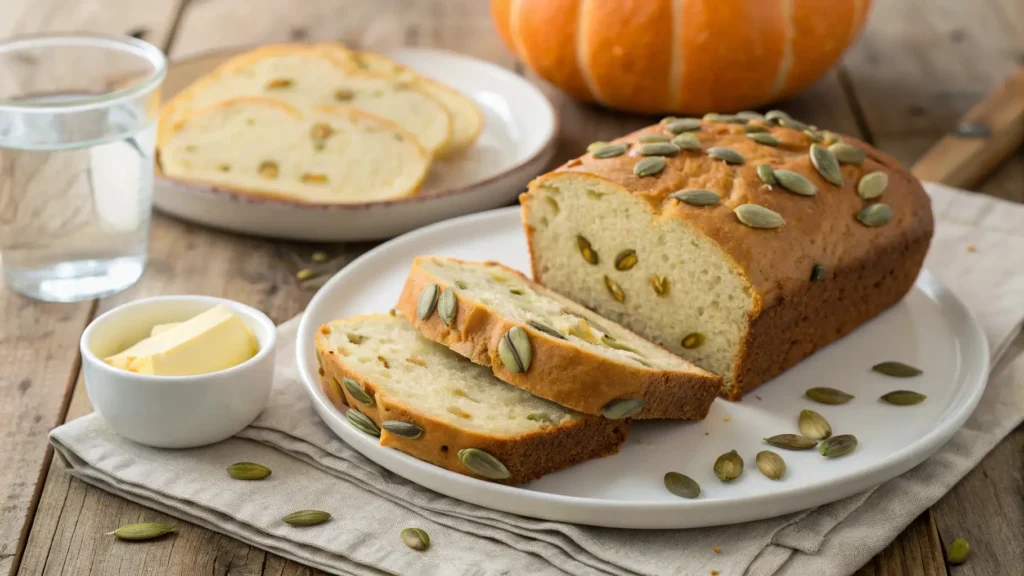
(435, 405)
(325, 154)
(550, 346)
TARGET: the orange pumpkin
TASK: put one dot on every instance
(683, 56)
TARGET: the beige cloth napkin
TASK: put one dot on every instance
(314, 469)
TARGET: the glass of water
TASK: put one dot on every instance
(78, 120)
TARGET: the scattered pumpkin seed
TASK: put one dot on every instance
(306, 518)
(447, 306)
(402, 428)
(763, 138)
(813, 425)
(696, 197)
(896, 369)
(795, 183)
(658, 149)
(143, 531)
(874, 215)
(622, 408)
(610, 151)
(724, 118)
(516, 291)
(483, 464)
(660, 285)
(757, 216)
(693, 340)
(683, 125)
(594, 146)
(586, 250)
(304, 274)
(614, 289)
(750, 115)
(727, 155)
(792, 124)
(649, 138)
(817, 272)
(541, 327)
(728, 466)
(826, 395)
(771, 465)
(766, 174)
(415, 538)
(356, 390)
(847, 153)
(687, 141)
(872, 185)
(958, 551)
(791, 442)
(681, 485)
(837, 446)
(626, 259)
(903, 397)
(319, 257)
(362, 422)
(248, 471)
(427, 302)
(515, 350)
(826, 164)
(649, 166)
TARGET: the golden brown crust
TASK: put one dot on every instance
(561, 371)
(527, 456)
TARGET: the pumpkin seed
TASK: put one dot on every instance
(728, 466)
(958, 551)
(545, 329)
(752, 128)
(826, 395)
(140, 532)
(427, 301)
(594, 146)
(483, 464)
(610, 151)
(587, 250)
(817, 272)
(306, 518)
(757, 216)
(837, 446)
(727, 155)
(681, 485)
(447, 306)
(773, 116)
(826, 164)
(814, 135)
(788, 122)
(874, 215)
(687, 141)
(830, 139)
(766, 174)
(248, 471)
(613, 343)
(813, 425)
(626, 259)
(750, 115)
(903, 397)
(278, 83)
(683, 125)
(847, 153)
(336, 386)
(622, 408)
(872, 185)
(344, 95)
(763, 138)
(896, 369)
(304, 274)
(516, 291)
(696, 197)
(795, 183)
(660, 285)
(356, 390)
(658, 149)
(268, 169)
(515, 350)
(724, 118)
(403, 429)
(693, 340)
(649, 166)
(791, 442)
(649, 138)
(415, 538)
(771, 465)
(614, 289)
(667, 119)
(362, 422)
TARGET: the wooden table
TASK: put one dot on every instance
(919, 66)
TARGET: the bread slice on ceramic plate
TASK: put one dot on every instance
(308, 75)
(549, 345)
(323, 154)
(433, 404)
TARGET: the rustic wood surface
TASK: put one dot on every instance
(919, 67)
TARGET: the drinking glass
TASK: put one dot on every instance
(78, 121)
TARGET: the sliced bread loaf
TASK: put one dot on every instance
(331, 154)
(435, 405)
(548, 345)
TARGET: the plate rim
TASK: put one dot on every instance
(973, 381)
(546, 146)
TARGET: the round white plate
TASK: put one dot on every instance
(930, 329)
(516, 143)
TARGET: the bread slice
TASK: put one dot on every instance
(308, 75)
(382, 366)
(326, 154)
(579, 359)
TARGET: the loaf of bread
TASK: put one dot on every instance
(548, 345)
(324, 154)
(742, 243)
(435, 405)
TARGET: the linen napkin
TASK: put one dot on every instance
(312, 468)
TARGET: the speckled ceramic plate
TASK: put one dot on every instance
(930, 329)
(516, 144)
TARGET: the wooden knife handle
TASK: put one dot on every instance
(985, 136)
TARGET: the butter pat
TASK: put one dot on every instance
(212, 341)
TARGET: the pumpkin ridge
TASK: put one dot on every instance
(581, 53)
(786, 62)
(675, 84)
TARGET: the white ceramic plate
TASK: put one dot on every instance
(930, 329)
(516, 144)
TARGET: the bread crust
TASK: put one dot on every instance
(526, 456)
(560, 371)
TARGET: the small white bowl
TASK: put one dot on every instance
(175, 411)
